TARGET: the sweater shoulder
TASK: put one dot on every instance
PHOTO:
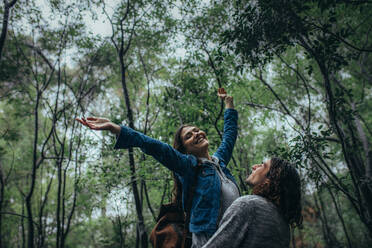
(258, 206)
(254, 200)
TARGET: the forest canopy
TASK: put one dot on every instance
(300, 72)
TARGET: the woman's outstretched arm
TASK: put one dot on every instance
(230, 130)
(127, 137)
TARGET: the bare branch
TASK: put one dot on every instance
(38, 51)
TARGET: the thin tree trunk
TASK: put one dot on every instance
(76, 181)
(41, 222)
(2, 187)
(121, 52)
(166, 185)
(324, 228)
(293, 238)
(141, 226)
(58, 211)
(329, 236)
(4, 30)
(148, 201)
(31, 234)
(122, 238)
(146, 126)
(23, 227)
(339, 214)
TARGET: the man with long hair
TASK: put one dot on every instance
(264, 218)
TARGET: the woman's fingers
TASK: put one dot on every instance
(95, 123)
(93, 126)
(81, 121)
(97, 119)
(222, 93)
(92, 118)
(86, 123)
(99, 126)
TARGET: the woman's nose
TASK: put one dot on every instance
(202, 132)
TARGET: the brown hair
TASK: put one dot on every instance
(283, 189)
(177, 141)
(177, 186)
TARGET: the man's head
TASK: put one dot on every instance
(279, 181)
(259, 173)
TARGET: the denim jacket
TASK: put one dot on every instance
(206, 199)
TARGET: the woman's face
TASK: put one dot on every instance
(194, 140)
(259, 172)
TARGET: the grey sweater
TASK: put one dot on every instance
(250, 222)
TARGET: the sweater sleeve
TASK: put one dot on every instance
(162, 152)
(230, 133)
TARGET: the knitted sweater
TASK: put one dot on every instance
(251, 221)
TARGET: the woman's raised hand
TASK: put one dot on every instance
(229, 101)
(97, 123)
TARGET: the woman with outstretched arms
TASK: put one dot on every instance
(215, 189)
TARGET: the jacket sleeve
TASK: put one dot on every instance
(162, 152)
(230, 133)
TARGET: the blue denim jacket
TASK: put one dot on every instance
(206, 200)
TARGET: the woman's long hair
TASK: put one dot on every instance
(283, 189)
(177, 186)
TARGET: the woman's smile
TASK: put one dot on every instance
(199, 139)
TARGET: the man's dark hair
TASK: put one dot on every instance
(283, 189)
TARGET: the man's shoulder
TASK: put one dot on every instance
(252, 199)
(255, 201)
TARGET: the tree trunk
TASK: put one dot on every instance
(339, 214)
(329, 237)
(31, 234)
(23, 226)
(2, 186)
(4, 30)
(58, 211)
(140, 226)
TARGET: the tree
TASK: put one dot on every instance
(334, 41)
